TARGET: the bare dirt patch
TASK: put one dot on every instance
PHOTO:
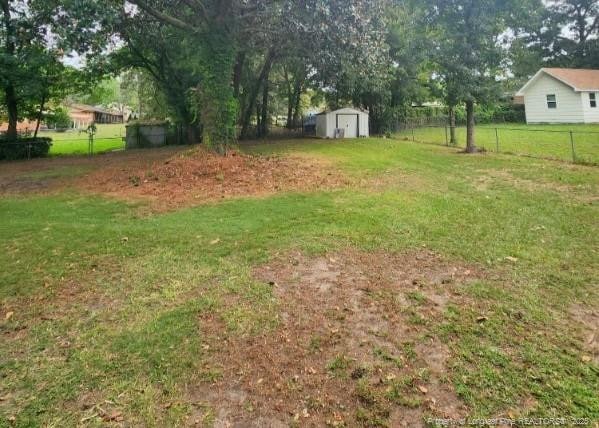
(170, 178)
(353, 347)
(196, 176)
(48, 175)
(588, 321)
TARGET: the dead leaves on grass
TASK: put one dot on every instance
(197, 176)
(351, 346)
(171, 178)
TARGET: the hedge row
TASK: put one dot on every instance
(24, 148)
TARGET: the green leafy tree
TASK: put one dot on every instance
(141, 92)
(574, 25)
(59, 119)
(214, 25)
(346, 59)
(104, 92)
(577, 43)
(239, 44)
(395, 72)
(27, 64)
(556, 33)
(469, 51)
(34, 35)
(161, 66)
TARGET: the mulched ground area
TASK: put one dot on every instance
(172, 178)
(196, 176)
(353, 347)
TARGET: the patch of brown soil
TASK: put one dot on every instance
(197, 176)
(353, 346)
(47, 175)
(588, 320)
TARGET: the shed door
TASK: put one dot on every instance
(349, 122)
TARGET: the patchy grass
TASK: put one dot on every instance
(545, 141)
(107, 316)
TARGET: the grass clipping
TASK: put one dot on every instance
(197, 176)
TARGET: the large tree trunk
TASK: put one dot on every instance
(10, 96)
(237, 73)
(294, 93)
(258, 119)
(218, 107)
(470, 143)
(264, 122)
(253, 95)
(453, 141)
(289, 123)
(290, 101)
(297, 96)
(191, 133)
(12, 110)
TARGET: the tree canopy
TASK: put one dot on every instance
(222, 68)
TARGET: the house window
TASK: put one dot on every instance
(551, 101)
(593, 98)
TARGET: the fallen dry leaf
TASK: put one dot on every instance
(114, 416)
(422, 389)
(8, 315)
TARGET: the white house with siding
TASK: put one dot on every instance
(343, 123)
(562, 95)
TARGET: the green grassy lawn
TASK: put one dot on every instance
(548, 141)
(107, 305)
(108, 138)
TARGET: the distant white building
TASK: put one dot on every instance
(562, 95)
(343, 123)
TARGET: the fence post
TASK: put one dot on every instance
(572, 144)
(28, 150)
(446, 137)
(497, 139)
(413, 136)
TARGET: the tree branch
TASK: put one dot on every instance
(163, 17)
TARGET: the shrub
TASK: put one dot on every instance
(24, 148)
(500, 113)
(59, 119)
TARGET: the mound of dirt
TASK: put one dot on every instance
(197, 175)
(353, 347)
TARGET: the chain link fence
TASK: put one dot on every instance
(574, 145)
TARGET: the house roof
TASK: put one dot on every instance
(357, 110)
(85, 107)
(581, 80)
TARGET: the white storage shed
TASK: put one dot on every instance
(343, 123)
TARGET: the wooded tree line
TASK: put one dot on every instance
(219, 68)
